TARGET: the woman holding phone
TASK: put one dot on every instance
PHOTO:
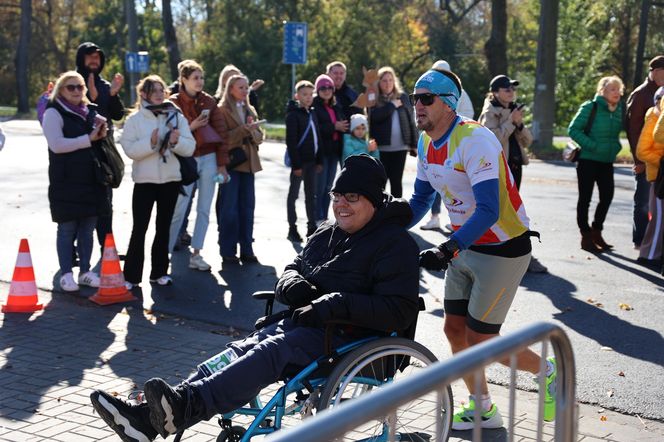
(209, 129)
(503, 115)
(237, 198)
(73, 129)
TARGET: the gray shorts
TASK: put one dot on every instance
(482, 287)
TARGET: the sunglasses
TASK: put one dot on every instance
(426, 99)
(326, 88)
(74, 87)
(350, 197)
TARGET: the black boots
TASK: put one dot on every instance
(596, 235)
(588, 244)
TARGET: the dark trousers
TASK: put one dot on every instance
(144, 198)
(309, 178)
(263, 356)
(105, 223)
(394, 163)
(517, 173)
(640, 212)
(589, 172)
(235, 206)
(324, 184)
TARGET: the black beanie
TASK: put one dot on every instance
(362, 174)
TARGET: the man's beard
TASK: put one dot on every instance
(425, 126)
(94, 70)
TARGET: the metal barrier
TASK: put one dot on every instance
(334, 423)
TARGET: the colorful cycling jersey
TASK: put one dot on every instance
(470, 155)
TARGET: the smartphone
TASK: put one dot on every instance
(99, 120)
(205, 113)
(260, 122)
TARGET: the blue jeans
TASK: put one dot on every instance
(324, 185)
(235, 206)
(640, 212)
(81, 229)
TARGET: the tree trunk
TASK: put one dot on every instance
(170, 37)
(21, 60)
(640, 47)
(495, 48)
(544, 107)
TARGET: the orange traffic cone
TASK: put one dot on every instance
(23, 289)
(112, 283)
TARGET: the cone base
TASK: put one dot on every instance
(101, 299)
(21, 308)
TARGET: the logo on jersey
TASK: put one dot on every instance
(449, 199)
(484, 165)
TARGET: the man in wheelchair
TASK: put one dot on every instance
(362, 269)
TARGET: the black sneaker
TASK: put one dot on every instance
(293, 235)
(169, 407)
(129, 419)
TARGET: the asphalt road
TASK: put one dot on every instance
(619, 353)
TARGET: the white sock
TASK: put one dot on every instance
(484, 401)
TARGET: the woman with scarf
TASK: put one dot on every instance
(153, 133)
(392, 125)
(207, 126)
(237, 198)
(73, 129)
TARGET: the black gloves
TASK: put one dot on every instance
(296, 292)
(307, 317)
(437, 258)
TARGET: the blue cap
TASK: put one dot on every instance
(441, 85)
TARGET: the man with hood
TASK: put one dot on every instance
(90, 60)
(363, 268)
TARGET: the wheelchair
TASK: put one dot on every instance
(342, 374)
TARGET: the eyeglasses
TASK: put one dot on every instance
(74, 87)
(350, 197)
(326, 88)
(426, 99)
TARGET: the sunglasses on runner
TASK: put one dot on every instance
(426, 99)
(74, 87)
(350, 197)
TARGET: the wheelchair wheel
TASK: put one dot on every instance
(381, 362)
(234, 434)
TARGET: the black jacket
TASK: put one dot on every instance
(297, 119)
(73, 190)
(380, 123)
(109, 106)
(345, 97)
(370, 277)
(326, 128)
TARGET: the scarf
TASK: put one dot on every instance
(169, 110)
(81, 109)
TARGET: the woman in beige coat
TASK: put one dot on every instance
(504, 117)
(237, 199)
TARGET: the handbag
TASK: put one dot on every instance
(236, 156)
(659, 181)
(188, 169)
(110, 166)
(207, 136)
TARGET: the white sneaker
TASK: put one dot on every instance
(433, 224)
(67, 283)
(163, 280)
(88, 278)
(198, 263)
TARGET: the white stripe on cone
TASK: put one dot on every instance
(23, 260)
(23, 288)
(110, 254)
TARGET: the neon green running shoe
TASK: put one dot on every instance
(550, 392)
(465, 419)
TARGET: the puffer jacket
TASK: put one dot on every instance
(297, 120)
(370, 277)
(602, 142)
(496, 118)
(380, 123)
(648, 149)
(192, 108)
(149, 166)
(329, 146)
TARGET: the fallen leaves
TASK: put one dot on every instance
(603, 418)
(624, 306)
(595, 302)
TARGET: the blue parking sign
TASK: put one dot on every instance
(131, 62)
(295, 43)
(143, 61)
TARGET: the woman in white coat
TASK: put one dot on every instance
(152, 135)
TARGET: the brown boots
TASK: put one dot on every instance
(593, 242)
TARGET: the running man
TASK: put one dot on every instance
(489, 251)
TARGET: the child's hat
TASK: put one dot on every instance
(324, 80)
(357, 120)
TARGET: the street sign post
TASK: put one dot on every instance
(143, 61)
(131, 62)
(295, 46)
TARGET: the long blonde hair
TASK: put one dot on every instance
(397, 91)
(227, 99)
(227, 72)
(60, 82)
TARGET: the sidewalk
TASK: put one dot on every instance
(50, 362)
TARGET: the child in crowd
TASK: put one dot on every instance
(355, 142)
(302, 137)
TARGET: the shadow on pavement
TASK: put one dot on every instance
(497, 435)
(640, 271)
(596, 323)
